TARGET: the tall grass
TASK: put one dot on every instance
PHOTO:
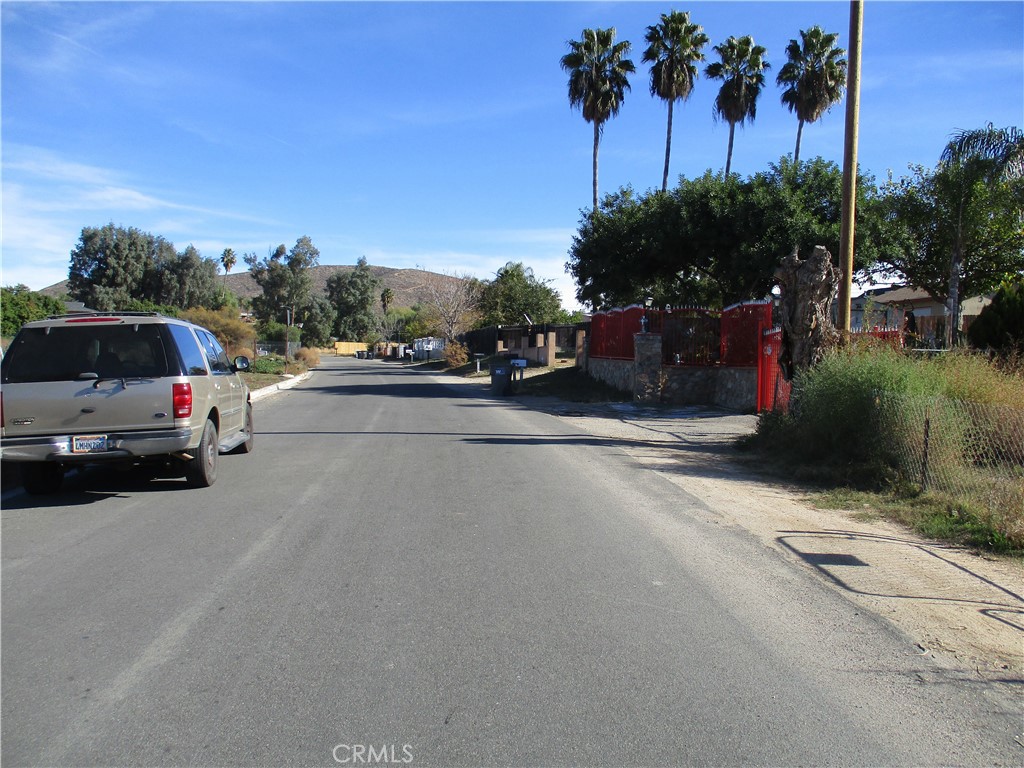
(948, 427)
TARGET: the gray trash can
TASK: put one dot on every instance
(501, 378)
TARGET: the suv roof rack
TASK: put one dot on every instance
(97, 313)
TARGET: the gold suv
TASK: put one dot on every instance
(120, 387)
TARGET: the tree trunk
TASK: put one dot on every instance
(953, 304)
(668, 147)
(597, 140)
(799, 133)
(728, 156)
(808, 288)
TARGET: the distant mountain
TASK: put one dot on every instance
(408, 285)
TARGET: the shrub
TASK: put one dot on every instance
(273, 364)
(455, 355)
(1000, 326)
(310, 357)
(231, 332)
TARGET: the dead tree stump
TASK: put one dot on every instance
(808, 290)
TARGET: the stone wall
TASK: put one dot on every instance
(652, 382)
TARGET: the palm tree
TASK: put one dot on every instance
(598, 79)
(228, 260)
(387, 296)
(674, 48)
(983, 156)
(813, 79)
(1002, 147)
(741, 71)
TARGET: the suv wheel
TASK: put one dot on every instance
(201, 471)
(41, 478)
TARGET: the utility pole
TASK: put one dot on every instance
(849, 216)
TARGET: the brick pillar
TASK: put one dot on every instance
(647, 367)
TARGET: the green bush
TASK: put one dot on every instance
(273, 364)
(835, 416)
(1000, 326)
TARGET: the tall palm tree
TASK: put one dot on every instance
(228, 260)
(813, 79)
(598, 80)
(674, 48)
(387, 297)
(741, 71)
(983, 156)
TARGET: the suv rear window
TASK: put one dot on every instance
(63, 353)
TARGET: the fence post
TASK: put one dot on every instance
(927, 436)
(647, 367)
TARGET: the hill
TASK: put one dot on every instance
(408, 285)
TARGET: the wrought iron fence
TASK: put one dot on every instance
(971, 452)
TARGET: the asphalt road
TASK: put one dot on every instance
(406, 572)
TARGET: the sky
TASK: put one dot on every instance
(431, 134)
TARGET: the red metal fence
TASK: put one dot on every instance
(690, 336)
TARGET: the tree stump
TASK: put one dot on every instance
(808, 290)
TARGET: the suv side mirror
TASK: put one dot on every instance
(242, 363)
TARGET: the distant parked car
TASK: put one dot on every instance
(120, 387)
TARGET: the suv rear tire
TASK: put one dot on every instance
(201, 470)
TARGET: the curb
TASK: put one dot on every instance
(262, 392)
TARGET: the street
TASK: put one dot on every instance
(408, 572)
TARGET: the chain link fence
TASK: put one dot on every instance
(972, 453)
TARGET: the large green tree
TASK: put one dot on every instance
(956, 232)
(974, 162)
(813, 79)
(108, 266)
(674, 46)
(598, 80)
(741, 71)
(114, 268)
(354, 296)
(715, 240)
(285, 279)
(516, 296)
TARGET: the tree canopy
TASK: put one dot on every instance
(354, 296)
(515, 296)
(713, 240)
(114, 268)
(284, 277)
(19, 305)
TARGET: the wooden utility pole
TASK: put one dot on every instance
(850, 166)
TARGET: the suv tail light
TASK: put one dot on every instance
(182, 401)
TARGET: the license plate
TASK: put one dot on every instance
(88, 443)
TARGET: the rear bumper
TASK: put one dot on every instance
(125, 445)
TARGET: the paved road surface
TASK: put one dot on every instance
(409, 572)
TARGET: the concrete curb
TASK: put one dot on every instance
(262, 392)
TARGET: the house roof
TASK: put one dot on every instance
(903, 294)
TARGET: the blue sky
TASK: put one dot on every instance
(436, 135)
